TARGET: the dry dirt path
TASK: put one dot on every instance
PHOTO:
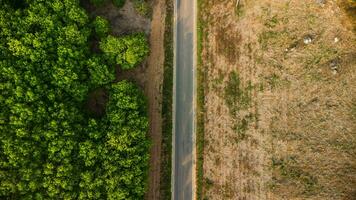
(153, 90)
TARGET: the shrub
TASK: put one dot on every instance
(126, 51)
(142, 7)
(100, 74)
(102, 26)
(119, 3)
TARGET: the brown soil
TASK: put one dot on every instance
(280, 113)
(123, 21)
(149, 75)
(153, 90)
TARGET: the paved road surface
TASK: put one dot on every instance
(183, 140)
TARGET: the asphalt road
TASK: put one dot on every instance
(184, 74)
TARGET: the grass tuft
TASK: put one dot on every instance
(200, 110)
(236, 96)
(143, 7)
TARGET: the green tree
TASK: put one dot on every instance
(102, 26)
(100, 74)
(127, 51)
(49, 147)
(119, 3)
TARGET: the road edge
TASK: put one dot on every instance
(194, 156)
(167, 103)
(200, 109)
(174, 94)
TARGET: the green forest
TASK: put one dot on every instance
(52, 144)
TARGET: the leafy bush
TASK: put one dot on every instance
(127, 51)
(100, 74)
(49, 147)
(102, 26)
(119, 3)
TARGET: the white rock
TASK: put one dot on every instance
(321, 2)
(307, 40)
(336, 40)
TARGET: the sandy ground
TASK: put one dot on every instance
(149, 75)
(295, 138)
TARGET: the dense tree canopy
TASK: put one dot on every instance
(118, 3)
(102, 26)
(49, 147)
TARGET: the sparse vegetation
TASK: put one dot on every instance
(278, 110)
(200, 117)
(166, 161)
(241, 126)
(230, 50)
(237, 97)
(143, 7)
(102, 26)
(287, 173)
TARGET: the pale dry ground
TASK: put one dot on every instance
(296, 136)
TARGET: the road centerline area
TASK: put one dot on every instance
(183, 128)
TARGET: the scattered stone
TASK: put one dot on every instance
(291, 49)
(334, 65)
(307, 39)
(321, 2)
(336, 39)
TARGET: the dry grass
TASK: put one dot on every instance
(280, 97)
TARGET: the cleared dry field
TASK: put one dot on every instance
(280, 99)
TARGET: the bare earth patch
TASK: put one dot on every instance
(280, 100)
(123, 21)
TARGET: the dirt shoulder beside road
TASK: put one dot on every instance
(153, 90)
